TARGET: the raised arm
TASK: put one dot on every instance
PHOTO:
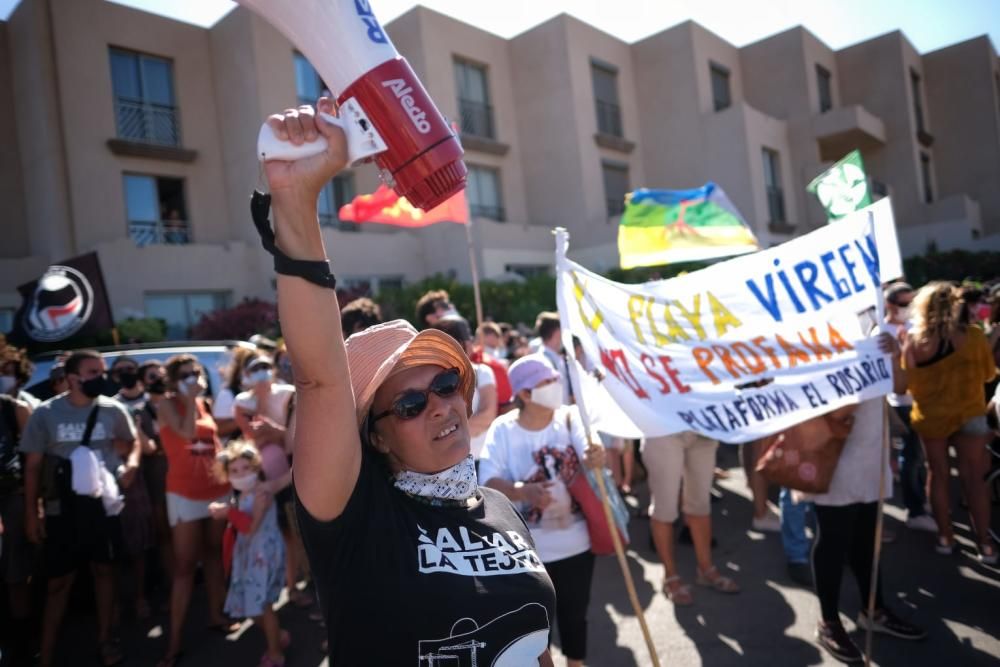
(183, 426)
(327, 444)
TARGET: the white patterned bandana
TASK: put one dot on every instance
(455, 483)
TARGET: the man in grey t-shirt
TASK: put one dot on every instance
(76, 530)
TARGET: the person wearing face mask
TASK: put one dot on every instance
(78, 529)
(912, 464)
(137, 517)
(154, 461)
(258, 553)
(411, 556)
(531, 456)
(489, 353)
(224, 406)
(263, 413)
(190, 441)
(15, 372)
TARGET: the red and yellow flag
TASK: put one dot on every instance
(388, 208)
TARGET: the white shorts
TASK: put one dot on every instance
(181, 509)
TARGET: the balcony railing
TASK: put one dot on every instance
(489, 212)
(609, 118)
(776, 204)
(159, 232)
(148, 123)
(476, 118)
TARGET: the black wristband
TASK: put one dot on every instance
(316, 272)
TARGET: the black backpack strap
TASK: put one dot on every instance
(91, 422)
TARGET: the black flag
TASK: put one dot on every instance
(67, 301)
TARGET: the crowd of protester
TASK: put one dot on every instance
(173, 479)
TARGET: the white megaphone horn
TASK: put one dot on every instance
(384, 110)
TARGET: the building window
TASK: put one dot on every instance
(918, 104)
(996, 80)
(337, 192)
(483, 189)
(609, 115)
(182, 310)
(720, 87)
(772, 185)
(7, 319)
(823, 82)
(145, 108)
(309, 87)
(474, 100)
(615, 187)
(925, 175)
(156, 211)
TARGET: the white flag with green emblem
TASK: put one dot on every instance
(843, 188)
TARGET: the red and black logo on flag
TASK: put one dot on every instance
(68, 300)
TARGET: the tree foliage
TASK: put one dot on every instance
(249, 317)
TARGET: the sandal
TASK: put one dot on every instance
(109, 654)
(988, 554)
(711, 578)
(680, 593)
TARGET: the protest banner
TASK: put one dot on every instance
(747, 347)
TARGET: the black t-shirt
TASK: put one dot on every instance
(402, 582)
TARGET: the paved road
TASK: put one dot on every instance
(770, 622)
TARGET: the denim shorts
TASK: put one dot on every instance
(975, 426)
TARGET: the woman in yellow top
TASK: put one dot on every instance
(947, 362)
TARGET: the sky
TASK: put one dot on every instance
(929, 24)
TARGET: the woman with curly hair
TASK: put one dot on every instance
(948, 361)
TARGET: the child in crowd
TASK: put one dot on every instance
(258, 564)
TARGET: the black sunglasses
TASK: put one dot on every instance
(185, 376)
(414, 401)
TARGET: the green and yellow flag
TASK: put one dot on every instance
(843, 188)
(670, 226)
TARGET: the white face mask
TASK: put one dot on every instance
(550, 396)
(257, 377)
(7, 382)
(497, 352)
(903, 313)
(189, 385)
(244, 483)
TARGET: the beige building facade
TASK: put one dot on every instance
(132, 135)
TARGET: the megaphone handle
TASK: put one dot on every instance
(362, 139)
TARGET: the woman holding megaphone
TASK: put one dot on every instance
(414, 562)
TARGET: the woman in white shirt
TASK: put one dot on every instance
(846, 515)
(531, 455)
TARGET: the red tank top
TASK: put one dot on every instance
(191, 463)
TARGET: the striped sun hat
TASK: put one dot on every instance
(378, 352)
